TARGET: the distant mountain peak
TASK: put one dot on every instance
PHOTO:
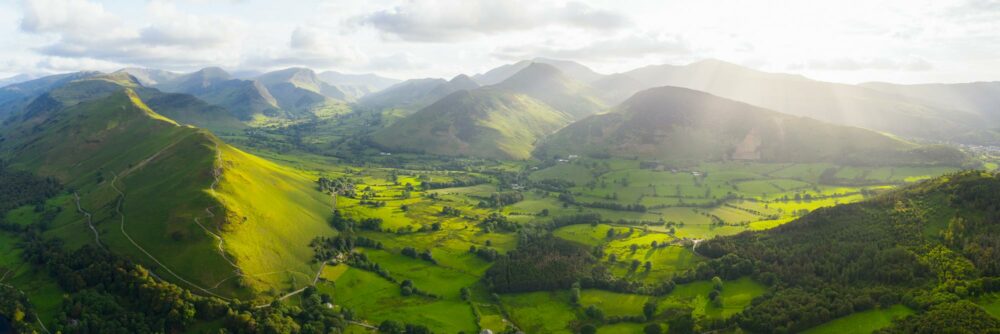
(462, 81)
(534, 72)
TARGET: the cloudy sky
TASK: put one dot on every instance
(838, 40)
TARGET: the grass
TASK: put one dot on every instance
(540, 312)
(613, 303)
(45, 295)
(271, 214)
(570, 172)
(426, 276)
(621, 328)
(376, 299)
(862, 322)
(990, 303)
(736, 295)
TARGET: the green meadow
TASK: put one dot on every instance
(863, 322)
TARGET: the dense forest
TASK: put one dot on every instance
(927, 246)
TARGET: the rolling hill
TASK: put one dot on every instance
(686, 126)
(16, 79)
(243, 99)
(174, 198)
(831, 102)
(571, 69)
(982, 98)
(412, 95)
(548, 84)
(482, 122)
(16, 96)
(301, 93)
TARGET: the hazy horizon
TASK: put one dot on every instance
(853, 42)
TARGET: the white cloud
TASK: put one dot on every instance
(84, 30)
(852, 64)
(308, 46)
(628, 46)
(450, 20)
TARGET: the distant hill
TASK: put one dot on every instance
(686, 126)
(485, 123)
(244, 99)
(300, 91)
(150, 77)
(618, 87)
(15, 97)
(195, 83)
(548, 84)
(16, 79)
(982, 98)
(832, 102)
(412, 95)
(571, 69)
(372, 82)
(146, 179)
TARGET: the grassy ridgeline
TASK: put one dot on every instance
(115, 147)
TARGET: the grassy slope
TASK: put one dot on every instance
(862, 322)
(483, 123)
(272, 213)
(166, 172)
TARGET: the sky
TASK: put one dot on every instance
(904, 41)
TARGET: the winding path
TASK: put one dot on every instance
(90, 223)
(118, 207)
(216, 173)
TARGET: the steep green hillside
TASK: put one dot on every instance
(685, 126)
(482, 122)
(189, 110)
(547, 84)
(172, 197)
(930, 247)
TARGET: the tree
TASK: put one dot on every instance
(717, 283)
(635, 265)
(683, 324)
(652, 329)
(391, 327)
(464, 292)
(574, 295)
(588, 329)
(649, 309)
(648, 266)
(595, 313)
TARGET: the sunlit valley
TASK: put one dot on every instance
(177, 190)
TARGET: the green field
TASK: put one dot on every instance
(375, 299)
(862, 322)
(540, 312)
(736, 295)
